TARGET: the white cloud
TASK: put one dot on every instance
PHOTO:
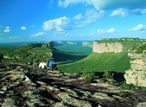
(23, 28)
(78, 17)
(105, 4)
(7, 29)
(58, 24)
(96, 3)
(64, 24)
(120, 12)
(139, 27)
(38, 34)
(125, 12)
(102, 31)
(111, 30)
(138, 11)
(89, 17)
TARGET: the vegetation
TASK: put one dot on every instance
(66, 57)
(121, 40)
(141, 48)
(88, 76)
(95, 62)
(108, 74)
(131, 86)
(28, 54)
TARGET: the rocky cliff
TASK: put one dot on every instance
(137, 74)
(25, 86)
(107, 47)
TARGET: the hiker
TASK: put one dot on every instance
(52, 64)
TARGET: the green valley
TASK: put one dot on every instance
(95, 62)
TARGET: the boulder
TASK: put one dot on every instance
(137, 74)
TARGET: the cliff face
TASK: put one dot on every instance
(25, 86)
(137, 74)
(115, 47)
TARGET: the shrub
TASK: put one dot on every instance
(108, 74)
(88, 76)
(129, 86)
(141, 48)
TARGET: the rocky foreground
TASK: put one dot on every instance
(25, 86)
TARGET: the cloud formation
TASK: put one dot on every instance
(58, 24)
(65, 24)
(105, 4)
(38, 34)
(120, 12)
(89, 17)
(103, 31)
(22, 28)
(125, 12)
(78, 17)
(6, 29)
(139, 27)
(119, 7)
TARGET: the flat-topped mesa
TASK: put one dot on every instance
(103, 47)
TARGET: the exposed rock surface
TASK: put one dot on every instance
(25, 86)
(115, 47)
(137, 74)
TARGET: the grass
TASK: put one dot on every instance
(26, 54)
(66, 57)
(96, 62)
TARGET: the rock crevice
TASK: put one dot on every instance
(25, 86)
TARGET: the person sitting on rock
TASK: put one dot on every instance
(52, 64)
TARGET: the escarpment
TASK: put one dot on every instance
(103, 47)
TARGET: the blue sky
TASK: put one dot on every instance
(46, 20)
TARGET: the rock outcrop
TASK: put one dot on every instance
(102, 47)
(137, 74)
(25, 86)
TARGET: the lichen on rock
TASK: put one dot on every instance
(26, 86)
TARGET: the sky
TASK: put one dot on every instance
(47, 20)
